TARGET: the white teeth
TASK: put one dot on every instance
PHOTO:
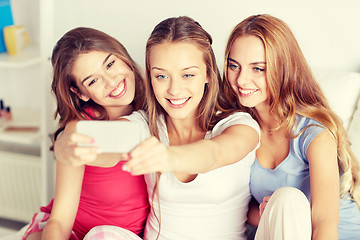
(246, 92)
(178, 101)
(118, 90)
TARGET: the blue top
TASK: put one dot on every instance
(293, 171)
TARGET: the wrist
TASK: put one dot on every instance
(173, 160)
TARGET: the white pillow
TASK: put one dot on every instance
(342, 89)
(354, 132)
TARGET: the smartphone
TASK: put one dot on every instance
(111, 136)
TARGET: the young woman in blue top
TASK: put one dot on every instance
(303, 142)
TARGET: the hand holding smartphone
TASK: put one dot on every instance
(111, 136)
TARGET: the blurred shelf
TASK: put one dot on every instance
(30, 56)
(24, 128)
(21, 137)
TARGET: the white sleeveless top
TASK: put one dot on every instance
(212, 206)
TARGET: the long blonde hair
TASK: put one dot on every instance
(185, 29)
(293, 90)
(176, 30)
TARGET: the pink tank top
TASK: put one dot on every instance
(110, 196)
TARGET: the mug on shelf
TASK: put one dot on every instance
(16, 39)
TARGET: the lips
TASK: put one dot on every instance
(247, 92)
(179, 102)
(119, 91)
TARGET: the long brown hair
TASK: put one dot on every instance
(185, 29)
(293, 90)
(75, 42)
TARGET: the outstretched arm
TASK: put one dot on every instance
(201, 156)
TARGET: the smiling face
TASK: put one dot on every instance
(247, 71)
(105, 79)
(178, 77)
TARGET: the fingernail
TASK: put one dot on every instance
(98, 150)
(125, 168)
(92, 140)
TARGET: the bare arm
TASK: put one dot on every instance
(66, 201)
(324, 178)
(198, 157)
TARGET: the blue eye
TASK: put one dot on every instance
(92, 82)
(233, 66)
(258, 69)
(188, 75)
(110, 64)
(160, 76)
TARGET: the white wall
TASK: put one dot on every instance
(26, 13)
(327, 31)
(17, 87)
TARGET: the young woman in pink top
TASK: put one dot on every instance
(94, 78)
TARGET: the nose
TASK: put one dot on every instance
(109, 82)
(242, 78)
(175, 86)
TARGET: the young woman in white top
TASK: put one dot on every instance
(197, 163)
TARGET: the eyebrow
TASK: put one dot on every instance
(253, 63)
(161, 69)
(107, 57)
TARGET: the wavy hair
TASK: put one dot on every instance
(293, 90)
(74, 43)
